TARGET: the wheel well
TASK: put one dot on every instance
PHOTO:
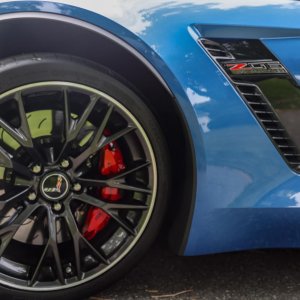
(38, 34)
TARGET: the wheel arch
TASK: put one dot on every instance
(70, 36)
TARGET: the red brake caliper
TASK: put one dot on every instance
(111, 163)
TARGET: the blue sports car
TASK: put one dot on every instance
(120, 119)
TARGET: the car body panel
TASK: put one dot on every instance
(246, 195)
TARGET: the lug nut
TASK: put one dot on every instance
(32, 196)
(68, 270)
(57, 206)
(77, 187)
(88, 163)
(36, 169)
(65, 163)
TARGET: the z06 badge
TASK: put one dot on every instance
(254, 67)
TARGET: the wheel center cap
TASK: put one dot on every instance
(54, 186)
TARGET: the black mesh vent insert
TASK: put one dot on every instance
(270, 122)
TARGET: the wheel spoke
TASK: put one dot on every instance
(99, 256)
(22, 170)
(21, 135)
(23, 182)
(67, 115)
(66, 125)
(128, 187)
(51, 248)
(126, 205)
(114, 184)
(92, 182)
(106, 207)
(96, 143)
(5, 159)
(90, 200)
(116, 136)
(125, 225)
(7, 232)
(13, 199)
(38, 267)
(77, 238)
(137, 166)
(54, 247)
(38, 225)
(15, 133)
(24, 123)
(74, 131)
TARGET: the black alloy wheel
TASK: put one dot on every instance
(84, 177)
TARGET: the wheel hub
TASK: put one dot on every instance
(54, 186)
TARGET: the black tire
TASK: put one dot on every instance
(26, 69)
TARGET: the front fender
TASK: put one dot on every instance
(237, 165)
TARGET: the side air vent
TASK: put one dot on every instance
(266, 87)
(268, 118)
(216, 50)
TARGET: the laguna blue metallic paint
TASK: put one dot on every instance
(247, 197)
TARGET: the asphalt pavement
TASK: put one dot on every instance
(263, 274)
